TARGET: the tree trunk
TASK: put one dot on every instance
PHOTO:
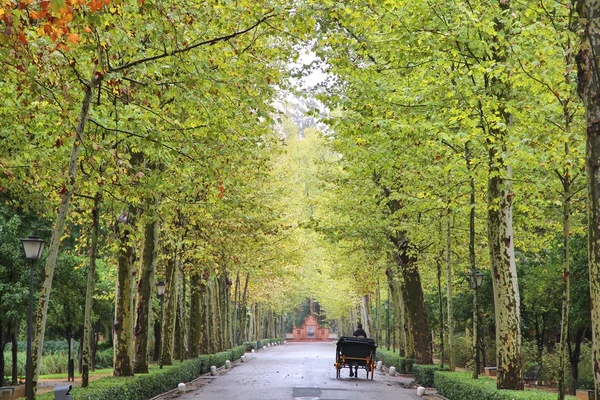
(124, 311)
(170, 312)
(14, 354)
(180, 325)
(157, 340)
(244, 310)
(377, 312)
(472, 265)
(588, 77)
(89, 292)
(504, 278)
(204, 314)
(451, 359)
(564, 327)
(2, 362)
(57, 233)
(574, 355)
(500, 231)
(441, 310)
(365, 310)
(413, 299)
(194, 326)
(145, 291)
(407, 327)
(236, 302)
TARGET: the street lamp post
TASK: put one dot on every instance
(33, 247)
(160, 288)
(476, 279)
(387, 322)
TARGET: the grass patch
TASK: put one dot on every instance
(97, 372)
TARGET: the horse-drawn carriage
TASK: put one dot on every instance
(352, 352)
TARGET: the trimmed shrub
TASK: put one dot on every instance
(143, 387)
(389, 358)
(424, 374)
(252, 345)
(461, 386)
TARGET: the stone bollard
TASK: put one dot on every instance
(420, 391)
(392, 371)
(243, 359)
(227, 364)
(253, 351)
(379, 365)
(181, 387)
(213, 370)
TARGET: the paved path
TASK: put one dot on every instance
(302, 371)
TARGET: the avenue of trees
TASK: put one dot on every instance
(149, 141)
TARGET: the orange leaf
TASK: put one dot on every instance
(22, 37)
(87, 29)
(73, 38)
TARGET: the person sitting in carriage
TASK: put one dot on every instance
(358, 333)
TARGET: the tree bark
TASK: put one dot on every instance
(588, 81)
(472, 265)
(194, 325)
(236, 303)
(2, 344)
(145, 291)
(244, 310)
(365, 310)
(14, 355)
(574, 355)
(414, 301)
(564, 326)
(451, 358)
(124, 311)
(170, 312)
(441, 311)
(500, 230)
(89, 293)
(504, 279)
(157, 340)
(57, 233)
(204, 314)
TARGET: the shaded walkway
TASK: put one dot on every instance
(303, 371)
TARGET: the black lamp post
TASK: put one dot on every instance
(387, 322)
(33, 247)
(476, 279)
(160, 288)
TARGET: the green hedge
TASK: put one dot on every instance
(425, 374)
(143, 387)
(461, 386)
(403, 365)
(252, 345)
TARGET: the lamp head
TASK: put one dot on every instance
(160, 288)
(33, 246)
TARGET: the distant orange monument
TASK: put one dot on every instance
(309, 331)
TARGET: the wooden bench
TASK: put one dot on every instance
(490, 371)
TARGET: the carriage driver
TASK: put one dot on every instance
(358, 333)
